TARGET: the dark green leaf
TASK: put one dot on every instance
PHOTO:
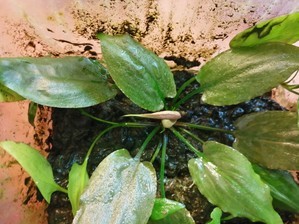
(164, 207)
(35, 165)
(279, 29)
(270, 139)
(121, 190)
(298, 113)
(284, 189)
(238, 75)
(226, 178)
(181, 216)
(78, 179)
(138, 72)
(216, 216)
(32, 109)
(70, 82)
(7, 95)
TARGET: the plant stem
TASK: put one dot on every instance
(184, 140)
(162, 169)
(192, 135)
(158, 148)
(123, 124)
(146, 141)
(202, 127)
(182, 88)
(187, 97)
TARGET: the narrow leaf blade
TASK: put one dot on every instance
(139, 73)
(270, 139)
(35, 165)
(279, 29)
(32, 109)
(69, 82)
(164, 207)
(284, 189)
(7, 95)
(78, 180)
(226, 178)
(121, 190)
(241, 74)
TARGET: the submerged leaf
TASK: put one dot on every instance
(69, 82)
(216, 216)
(35, 165)
(139, 73)
(7, 95)
(279, 29)
(181, 216)
(270, 139)
(78, 179)
(121, 190)
(240, 74)
(284, 189)
(226, 178)
(164, 207)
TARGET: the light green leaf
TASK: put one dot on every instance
(69, 82)
(164, 207)
(139, 73)
(226, 178)
(216, 216)
(284, 189)
(35, 165)
(32, 109)
(279, 29)
(78, 179)
(121, 190)
(181, 216)
(7, 95)
(238, 75)
(270, 139)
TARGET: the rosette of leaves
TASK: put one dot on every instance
(122, 189)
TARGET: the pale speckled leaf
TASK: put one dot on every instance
(35, 165)
(279, 29)
(7, 95)
(139, 73)
(181, 216)
(238, 75)
(270, 139)
(121, 191)
(69, 82)
(284, 190)
(226, 178)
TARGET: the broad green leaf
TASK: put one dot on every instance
(164, 207)
(181, 216)
(7, 95)
(216, 216)
(121, 190)
(78, 179)
(270, 139)
(35, 165)
(69, 82)
(226, 178)
(32, 109)
(139, 73)
(284, 189)
(238, 75)
(280, 29)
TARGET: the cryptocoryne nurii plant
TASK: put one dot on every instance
(243, 180)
